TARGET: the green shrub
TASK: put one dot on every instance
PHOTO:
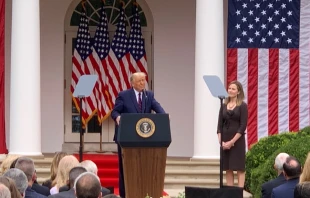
(298, 147)
(305, 131)
(262, 150)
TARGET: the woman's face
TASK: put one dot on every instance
(233, 91)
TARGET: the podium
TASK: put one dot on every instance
(144, 139)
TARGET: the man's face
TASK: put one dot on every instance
(138, 82)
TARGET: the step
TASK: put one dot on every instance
(174, 193)
(181, 183)
(43, 172)
(193, 174)
(43, 163)
(197, 165)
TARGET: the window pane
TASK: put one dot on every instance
(74, 109)
(76, 124)
(93, 125)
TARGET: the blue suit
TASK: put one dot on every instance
(270, 185)
(285, 190)
(126, 102)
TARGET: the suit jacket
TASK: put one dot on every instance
(285, 190)
(268, 186)
(66, 188)
(29, 193)
(43, 190)
(64, 194)
(126, 102)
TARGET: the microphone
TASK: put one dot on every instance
(144, 92)
(145, 100)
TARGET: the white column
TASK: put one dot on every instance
(25, 103)
(209, 60)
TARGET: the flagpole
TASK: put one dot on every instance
(100, 146)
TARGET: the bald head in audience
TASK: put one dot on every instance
(291, 168)
(87, 185)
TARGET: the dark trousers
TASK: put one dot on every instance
(121, 183)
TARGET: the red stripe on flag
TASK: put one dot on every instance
(294, 90)
(273, 91)
(77, 65)
(252, 95)
(3, 148)
(115, 72)
(143, 68)
(110, 79)
(131, 67)
(232, 61)
(125, 75)
(100, 87)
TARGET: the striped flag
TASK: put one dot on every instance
(81, 65)
(119, 53)
(269, 53)
(138, 62)
(105, 87)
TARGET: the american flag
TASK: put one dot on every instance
(81, 66)
(119, 52)
(269, 53)
(105, 87)
(136, 45)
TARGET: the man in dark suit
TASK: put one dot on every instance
(278, 165)
(292, 171)
(26, 165)
(73, 174)
(43, 190)
(134, 100)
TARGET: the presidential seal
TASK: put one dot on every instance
(145, 127)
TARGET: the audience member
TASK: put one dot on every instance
(292, 171)
(305, 175)
(54, 166)
(43, 190)
(6, 163)
(73, 174)
(302, 190)
(91, 167)
(64, 167)
(19, 178)
(27, 166)
(13, 163)
(278, 166)
(87, 185)
(8, 182)
(4, 191)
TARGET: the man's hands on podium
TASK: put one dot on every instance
(118, 118)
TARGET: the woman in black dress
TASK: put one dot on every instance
(233, 118)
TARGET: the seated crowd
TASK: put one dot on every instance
(68, 178)
(293, 180)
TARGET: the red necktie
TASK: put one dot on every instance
(140, 102)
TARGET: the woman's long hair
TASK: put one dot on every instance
(240, 96)
(305, 175)
(54, 166)
(8, 182)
